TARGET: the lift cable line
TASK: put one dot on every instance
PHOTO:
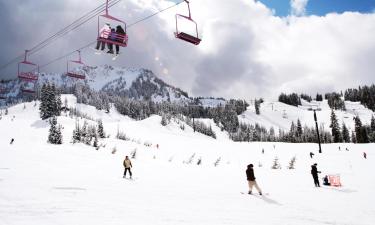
(93, 42)
(74, 25)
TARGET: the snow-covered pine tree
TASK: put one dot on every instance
(345, 133)
(276, 165)
(299, 131)
(354, 138)
(95, 144)
(76, 133)
(54, 136)
(373, 123)
(292, 163)
(336, 134)
(101, 129)
(257, 106)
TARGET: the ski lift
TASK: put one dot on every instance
(75, 74)
(29, 74)
(117, 39)
(184, 36)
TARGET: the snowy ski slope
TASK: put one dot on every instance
(43, 184)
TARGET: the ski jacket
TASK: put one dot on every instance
(127, 163)
(105, 31)
(314, 171)
(250, 174)
(121, 34)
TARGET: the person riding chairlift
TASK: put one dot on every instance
(120, 37)
(103, 34)
(112, 37)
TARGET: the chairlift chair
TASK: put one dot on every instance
(184, 36)
(123, 38)
(27, 75)
(74, 74)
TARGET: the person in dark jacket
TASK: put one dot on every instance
(120, 37)
(251, 179)
(364, 155)
(314, 173)
(311, 155)
(326, 181)
(11, 141)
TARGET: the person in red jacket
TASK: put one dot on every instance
(251, 179)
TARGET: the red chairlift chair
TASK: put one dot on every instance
(72, 73)
(184, 36)
(28, 75)
(120, 40)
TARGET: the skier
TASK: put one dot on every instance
(339, 148)
(262, 150)
(311, 155)
(120, 37)
(346, 149)
(314, 172)
(11, 141)
(326, 181)
(364, 155)
(251, 179)
(127, 164)
(103, 34)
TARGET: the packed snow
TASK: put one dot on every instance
(45, 184)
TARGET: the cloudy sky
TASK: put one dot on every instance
(249, 48)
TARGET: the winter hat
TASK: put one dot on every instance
(250, 165)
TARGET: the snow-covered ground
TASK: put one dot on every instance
(45, 184)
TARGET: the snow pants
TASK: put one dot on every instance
(130, 172)
(253, 183)
(100, 43)
(316, 180)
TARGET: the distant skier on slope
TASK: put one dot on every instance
(364, 155)
(128, 165)
(314, 172)
(251, 179)
(11, 141)
(311, 155)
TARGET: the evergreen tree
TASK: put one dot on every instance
(360, 131)
(101, 129)
(373, 123)
(95, 144)
(54, 136)
(76, 133)
(345, 133)
(336, 134)
(354, 138)
(257, 106)
(299, 129)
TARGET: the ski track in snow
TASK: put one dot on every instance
(43, 184)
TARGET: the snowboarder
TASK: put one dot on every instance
(251, 179)
(311, 155)
(326, 181)
(364, 155)
(103, 34)
(128, 165)
(11, 141)
(120, 37)
(314, 173)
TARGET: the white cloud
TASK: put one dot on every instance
(245, 52)
(298, 7)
